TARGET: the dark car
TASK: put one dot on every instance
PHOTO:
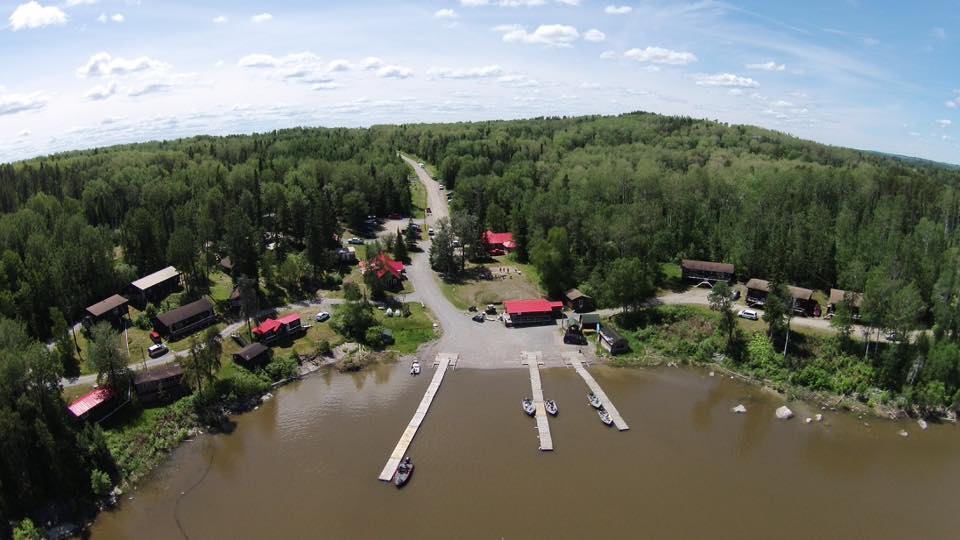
(479, 317)
(735, 295)
(574, 338)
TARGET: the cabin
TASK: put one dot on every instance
(612, 341)
(700, 272)
(159, 385)
(271, 330)
(803, 302)
(253, 355)
(347, 255)
(387, 270)
(578, 301)
(185, 320)
(523, 312)
(113, 310)
(854, 301)
(155, 287)
(226, 265)
(498, 243)
(97, 405)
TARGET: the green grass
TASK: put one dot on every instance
(409, 332)
(220, 286)
(471, 291)
(139, 439)
(671, 277)
(419, 193)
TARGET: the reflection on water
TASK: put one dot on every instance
(305, 465)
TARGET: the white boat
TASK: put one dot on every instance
(528, 406)
(551, 407)
(415, 368)
(604, 416)
(594, 400)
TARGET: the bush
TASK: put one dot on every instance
(282, 368)
(323, 348)
(374, 337)
(100, 483)
(243, 385)
(26, 530)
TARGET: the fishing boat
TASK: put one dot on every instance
(404, 472)
(594, 400)
(604, 416)
(415, 368)
(528, 406)
(551, 407)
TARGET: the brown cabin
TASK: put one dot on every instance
(837, 296)
(159, 385)
(255, 354)
(186, 320)
(112, 310)
(706, 271)
(578, 301)
(803, 302)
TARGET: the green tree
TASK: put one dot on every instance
(353, 319)
(628, 283)
(26, 530)
(721, 302)
(100, 483)
(107, 357)
(400, 248)
(203, 362)
(442, 255)
(553, 261)
(842, 320)
(64, 343)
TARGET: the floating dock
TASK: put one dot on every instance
(443, 361)
(577, 363)
(532, 359)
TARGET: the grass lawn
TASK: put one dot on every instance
(671, 278)
(419, 192)
(72, 393)
(475, 290)
(305, 344)
(220, 286)
(409, 332)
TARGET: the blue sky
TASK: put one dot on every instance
(81, 73)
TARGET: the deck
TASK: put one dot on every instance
(577, 362)
(443, 361)
(532, 359)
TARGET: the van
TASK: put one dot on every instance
(157, 350)
(749, 314)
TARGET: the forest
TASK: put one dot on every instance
(594, 202)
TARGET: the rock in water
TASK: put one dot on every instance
(739, 409)
(818, 418)
(807, 420)
(922, 423)
(784, 413)
(903, 433)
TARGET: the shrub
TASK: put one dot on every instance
(323, 348)
(100, 483)
(374, 337)
(26, 530)
(282, 368)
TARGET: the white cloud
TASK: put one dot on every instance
(516, 3)
(116, 17)
(261, 18)
(518, 81)
(474, 3)
(482, 72)
(659, 55)
(939, 33)
(16, 103)
(594, 35)
(34, 15)
(339, 65)
(394, 72)
(258, 60)
(24, 134)
(769, 65)
(103, 91)
(589, 85)
(104, 65)
(606, 55)
(219, 19)
(617, 10)
(371, 62)
(952, 104)
(74, 3)
(726, 79)
(303, 67)
(550, 35)
(944, 123)
(446, 13)
(157, 87)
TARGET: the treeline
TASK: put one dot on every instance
(77, 227)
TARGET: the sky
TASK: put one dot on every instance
(875, 75)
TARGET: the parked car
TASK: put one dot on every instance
(491, 309)
(441, 187)
(323, 316)
(472, 309)
(421, 164)
(355, 240)
(429, 211)
(431, 232)
(479, 317)
(749, 314)
(893, 336)
(735, 295)
(574, 338)
(157, 350)
(395, 216)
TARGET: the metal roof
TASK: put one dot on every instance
(155, 278)
(160, 373)
(707, 266)
(251, 351)
(174, 316)
(104, 306)
(796, 292)
(518, 307)
(836, 296)
(92, 400)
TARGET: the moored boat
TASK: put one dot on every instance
(528, 406)
(551, 407)
(404, 471)
(604, 416)
(415, 368)
(594, 400)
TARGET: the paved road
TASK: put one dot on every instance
(171, 356)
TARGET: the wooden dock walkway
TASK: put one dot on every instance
(443, 361)
(532, 359)
(577, 363)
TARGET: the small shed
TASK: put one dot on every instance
(578, 301)
(160, 384)
(706, 271)
(112, 310)
(612, 341)
(96, 405)
(155, 287)
(186, 320)
(254, 354)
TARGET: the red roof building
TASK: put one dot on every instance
(520, 312)
(272, 329)
(384, 267)
(499, 243)
(90, 405)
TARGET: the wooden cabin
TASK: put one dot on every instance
(155, 287)
(523, 312)
(803, 302)
(706, 272)
(159, 385)
(112, 310)
(185, 320)
(578, 301)
(612, 341)
(253, 355)
(854, 301)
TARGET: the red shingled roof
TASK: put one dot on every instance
(518, 307)
(91, 400)
(382, 264)
(496, 239)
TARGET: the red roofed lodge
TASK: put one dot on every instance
(521, 312)
(387, 270)
(499, 243)
(272, 329)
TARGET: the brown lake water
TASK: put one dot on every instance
(305, 465)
